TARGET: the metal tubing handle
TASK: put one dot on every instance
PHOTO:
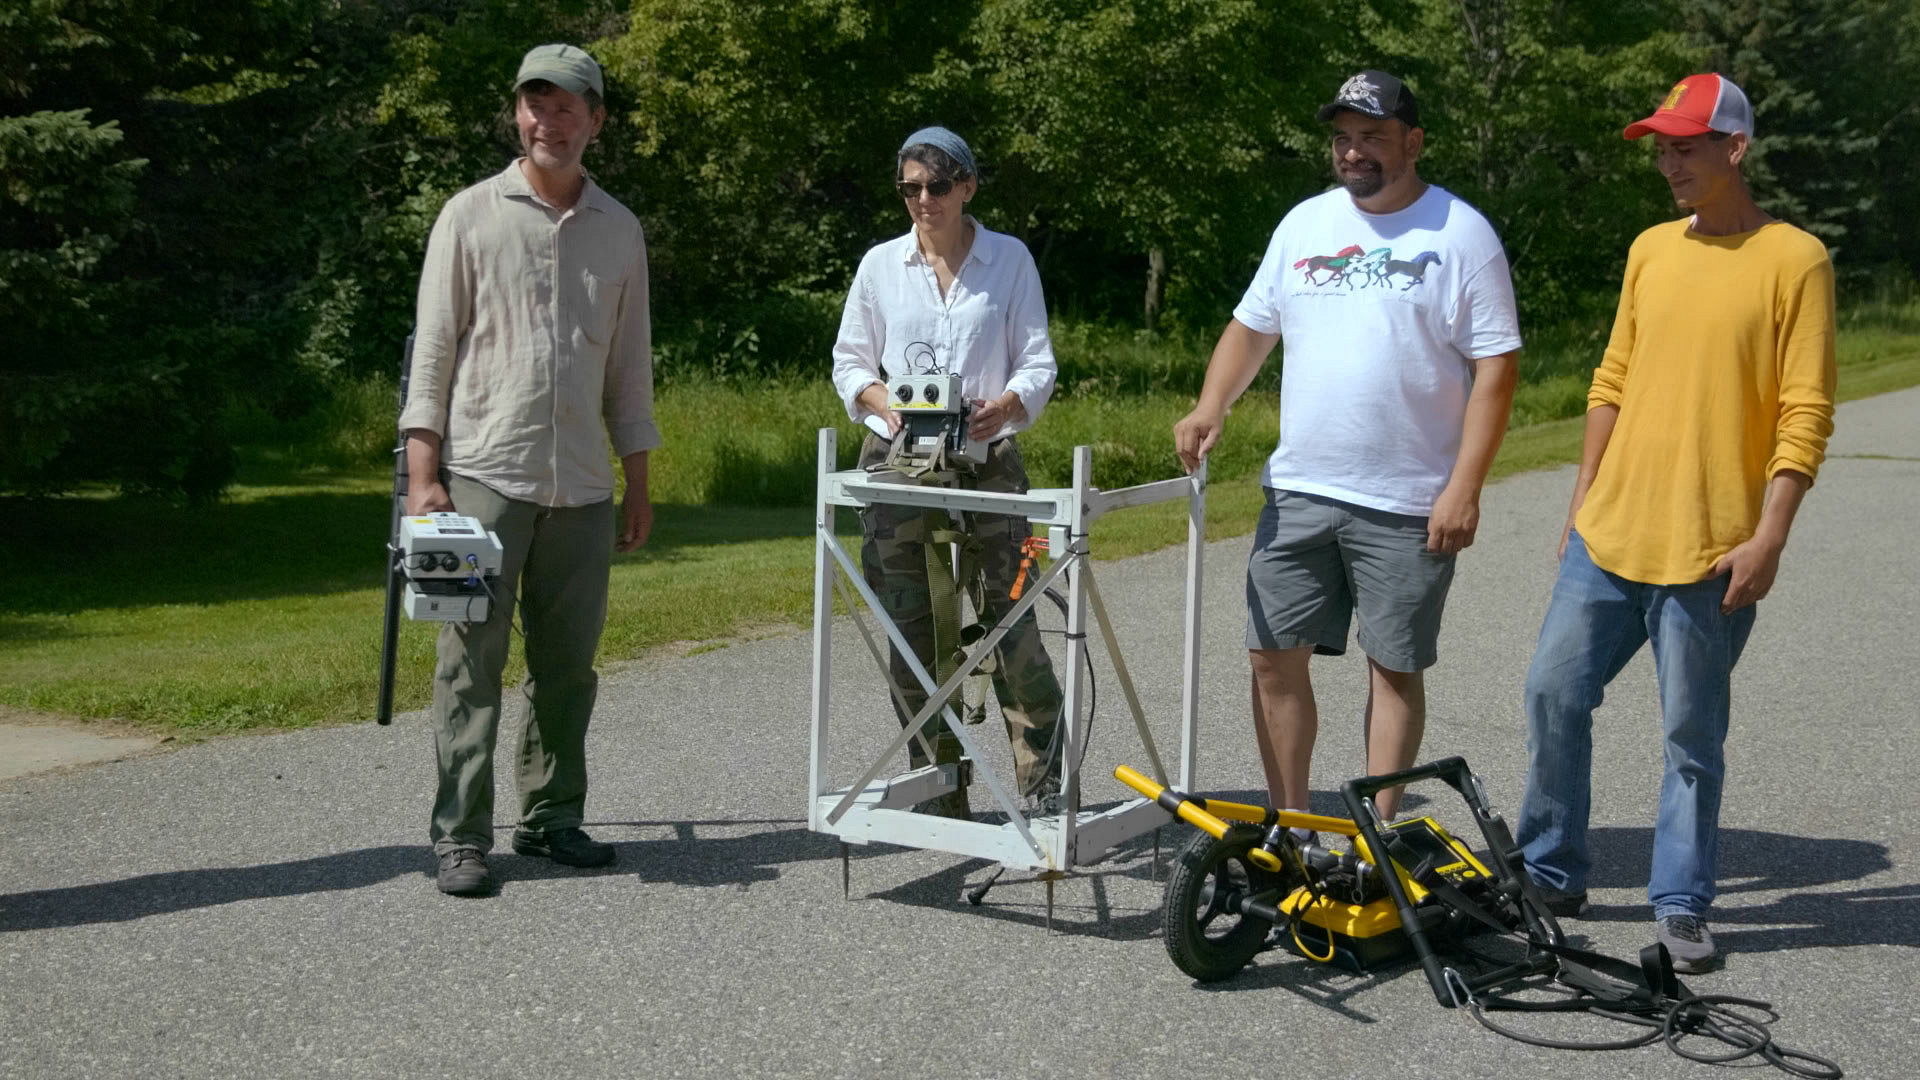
(1452, 770)
(396, 579)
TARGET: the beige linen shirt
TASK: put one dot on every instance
(532, 322)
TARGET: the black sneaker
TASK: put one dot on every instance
(463, 872)
(568, 847)
(1689, 942)
(1566, 905)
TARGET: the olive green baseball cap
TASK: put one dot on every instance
(565, 66)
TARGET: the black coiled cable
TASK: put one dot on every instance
(1709, 1016)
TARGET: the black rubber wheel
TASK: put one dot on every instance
(1206, 940)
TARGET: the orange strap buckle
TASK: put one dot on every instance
(1029, 547)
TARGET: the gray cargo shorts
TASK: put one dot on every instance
(1317, 560)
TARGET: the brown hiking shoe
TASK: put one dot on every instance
(463, 872)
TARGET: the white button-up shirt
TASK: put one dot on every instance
(532, 334)
(990, 328)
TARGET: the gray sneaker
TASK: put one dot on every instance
(1689, 942)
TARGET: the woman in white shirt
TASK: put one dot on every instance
(952, 296)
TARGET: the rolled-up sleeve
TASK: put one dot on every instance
(1807, 373)
(1609, 385)
(1029, 345)
(629, 383)
(443, 312)
(857, 348)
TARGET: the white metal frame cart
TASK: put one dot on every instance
(879, 807)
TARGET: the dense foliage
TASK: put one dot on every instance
(216, 211)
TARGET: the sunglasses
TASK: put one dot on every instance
(908, 189)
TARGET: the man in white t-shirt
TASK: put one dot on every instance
(1394, 302)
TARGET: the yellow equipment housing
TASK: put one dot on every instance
(1364, 936)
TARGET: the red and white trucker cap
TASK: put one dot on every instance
(1697, 105)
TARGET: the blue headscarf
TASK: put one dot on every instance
(946, 141)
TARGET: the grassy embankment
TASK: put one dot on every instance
(264, 611)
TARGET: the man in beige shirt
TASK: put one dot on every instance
(531, 335)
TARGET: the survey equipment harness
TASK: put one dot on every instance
(935, 446)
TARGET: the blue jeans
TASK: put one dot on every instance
(1595, 623)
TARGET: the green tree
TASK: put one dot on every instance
(1176, 130)
(104, 368)
(69, 199)
(763, 137)
(296, 152)
(1833, 85)
(1524, 102)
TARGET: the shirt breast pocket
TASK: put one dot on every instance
(600, 310)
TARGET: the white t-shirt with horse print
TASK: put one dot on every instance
(1380, 318)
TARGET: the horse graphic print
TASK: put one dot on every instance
(1357, 268)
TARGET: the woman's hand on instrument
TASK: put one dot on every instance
(988, 417)
(873, 398)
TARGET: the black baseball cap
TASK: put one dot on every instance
(1374, 93)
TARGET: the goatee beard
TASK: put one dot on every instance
(1364, 185)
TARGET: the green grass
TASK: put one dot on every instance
(263, 611)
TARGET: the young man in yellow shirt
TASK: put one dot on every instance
(1706, 422)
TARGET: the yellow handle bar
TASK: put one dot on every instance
(1194, 813)
(1212, 815)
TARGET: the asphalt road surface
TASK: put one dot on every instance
(262, 906)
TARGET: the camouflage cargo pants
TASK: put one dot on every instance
(894, 562)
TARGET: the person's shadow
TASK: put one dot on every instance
(182, 890)
(1020, 896)
(1812, 914)
(684, 859)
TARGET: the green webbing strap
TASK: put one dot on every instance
(944, 575)
(945, 579)
(946, 599)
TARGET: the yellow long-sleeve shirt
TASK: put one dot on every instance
(1721, 362)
